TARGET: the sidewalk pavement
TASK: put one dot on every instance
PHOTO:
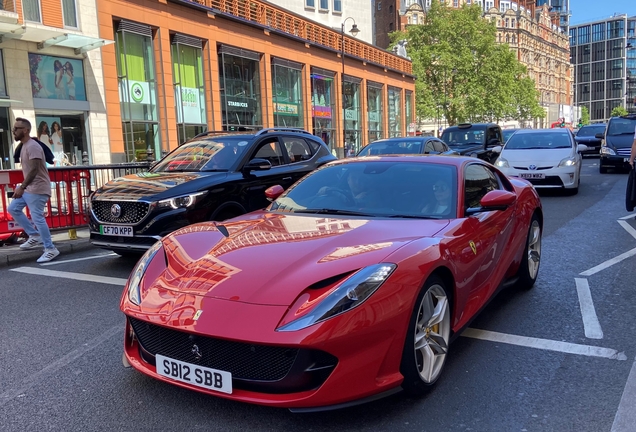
(12, 254)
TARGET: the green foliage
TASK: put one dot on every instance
(585, 116)
(618, 111)
(463, 74)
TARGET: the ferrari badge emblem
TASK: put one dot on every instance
(473, 246)
(197, 315)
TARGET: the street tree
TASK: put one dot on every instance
(463, 74)
(618, 111)
(585, 116)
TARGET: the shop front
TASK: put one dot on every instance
(374, 110)
(323, 105)
(408, 112)
(239, 77)
(351, 111)
(287, 93)
(395, 112)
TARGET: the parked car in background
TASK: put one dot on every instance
(617, 142)
(476, 140)
(507, 133)
(407, 145)
(210, 178)
(547, 158)
(587, 135)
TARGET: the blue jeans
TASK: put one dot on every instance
(36, 204)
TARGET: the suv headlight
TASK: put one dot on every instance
(181, 201)
(347, 295)
(568, 162)
(134, 282)
(502, 163)
(607, 151)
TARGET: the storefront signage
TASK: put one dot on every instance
(374, 117)
(188, 105)
(137, 92)
(56, 77)
(285, 108)
(351, 115)
(235, 104)
(321, 111)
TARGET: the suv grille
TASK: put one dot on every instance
(244, 360)
(132, 212)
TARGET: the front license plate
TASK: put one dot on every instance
(532, 176)
(120, 231)
(207, 378)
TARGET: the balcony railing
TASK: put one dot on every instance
(268, 15)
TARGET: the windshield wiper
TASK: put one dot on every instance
(333, 211)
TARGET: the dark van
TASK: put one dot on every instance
(617, 142)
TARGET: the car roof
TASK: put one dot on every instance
(471, 125)
(533, 131)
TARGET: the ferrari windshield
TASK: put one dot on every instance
(392, 147)
(457, 137)
(396, 189)
(539, 140)
(211, 154)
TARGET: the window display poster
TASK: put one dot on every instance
(48, 129)
(57, 77)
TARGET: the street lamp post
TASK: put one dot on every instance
(354, 32)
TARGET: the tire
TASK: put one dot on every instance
(427, 339)
(529, 267)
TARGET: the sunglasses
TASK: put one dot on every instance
(18, 128)
(440, 188)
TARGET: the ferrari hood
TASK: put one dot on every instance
(270, 258)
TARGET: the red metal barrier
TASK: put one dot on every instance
(67, 208)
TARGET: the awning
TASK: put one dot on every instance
(46, 36)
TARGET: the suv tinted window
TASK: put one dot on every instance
(478, 181)
(203, 155)
(270, 151)
(297, 149)
(463, 136)
(621, 126)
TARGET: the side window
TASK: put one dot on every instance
(428, 147)
(493, 133)
(440, 146)
(271, 151)
(297, 149)
(478, 181)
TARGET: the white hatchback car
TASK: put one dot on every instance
(547, 158)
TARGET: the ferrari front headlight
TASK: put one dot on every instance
(347, 295)
(134, 281)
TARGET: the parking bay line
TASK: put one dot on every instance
(70, 275)
(625, 418)
(545, 344)
(609, 263)
(591, 324)
(628, 228)
(80, 259)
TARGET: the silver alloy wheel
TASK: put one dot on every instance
(432, 332)
(534, 249)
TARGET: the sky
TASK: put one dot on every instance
(594, 10)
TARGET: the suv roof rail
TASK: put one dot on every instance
(282, 129)
(223, 132)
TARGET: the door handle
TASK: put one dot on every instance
(287, 178)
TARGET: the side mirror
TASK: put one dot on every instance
(493, 200)
(599, 136)
(497, 149)
(274, 192)
(581, 148)
(257, 165)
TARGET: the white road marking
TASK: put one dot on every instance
(80, 259)
(627, 217)
(625, 419)
(628, 228)
(545, 344)
(590, 320)
(70, 275)
(609, 263)
(52, 368)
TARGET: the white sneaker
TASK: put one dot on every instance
(48, 255)
(32, 242)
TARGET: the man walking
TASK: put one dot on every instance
(34, 192)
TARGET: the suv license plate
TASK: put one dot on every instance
(200, 376)
(112, 230)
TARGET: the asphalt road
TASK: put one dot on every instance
(61, 346)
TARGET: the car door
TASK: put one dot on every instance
(300, 157)
(489, 234)
(255, 183)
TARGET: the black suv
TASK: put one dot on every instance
(476, 140)
(209, 178)
(617, 142)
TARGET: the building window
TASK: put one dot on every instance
(598, 32)
(322, 104)
(572, 37)
(395, 112)
(584, 54)
(324, 4)
(455, 3)
(615, 48)
(351, 110)
(374, 111)
(189, 88)
(137, 90)
(414, 19)
(69, 12)
(584, 35)
(615, 69)
(615, 89)
(288, 95)
(337, 6)
(390, 26)
(379, 5)
(240, 89)
(31, 10)
(598, 51)
(615, 29)
(310, 3)
(3, 85)
(408, 112)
